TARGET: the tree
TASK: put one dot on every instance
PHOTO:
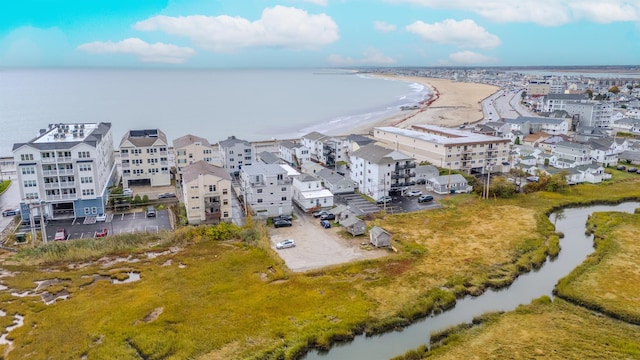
(590, 93)
(517, 142)
(614, 89)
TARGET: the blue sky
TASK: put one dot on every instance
(318, 33)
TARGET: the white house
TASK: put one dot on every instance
(266, 189)
(144, 158)
(294, 154)
(335, 182)
(309, 194)
(234, 154)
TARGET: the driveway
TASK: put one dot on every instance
(317, 247)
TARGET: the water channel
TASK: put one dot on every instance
(576, 246)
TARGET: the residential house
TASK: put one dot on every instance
(335, 182)
(548, 144)
(530, 125)
(144, 158)
(424, 172)
(449, 148)
(328, 150)
(189, 149)
(309, 194)
(266, 189)
(627, 124)
(234, 154)
(571, 154)
(66, 170)
(535, 139)
(604, 151)
(377, 170)
(444, 184)
(206, 191)
(378, 237)
(267, 157)
(311, 168)
(294, 154)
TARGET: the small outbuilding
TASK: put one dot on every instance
(354, 225)
(378, 237)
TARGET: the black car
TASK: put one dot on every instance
(283, 217)
(281, 223)
(166, 196)
(328, 216)
(632, 169)
(425, 198)
(320, 213)
(621, 167)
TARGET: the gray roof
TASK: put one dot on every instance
(315, 136)
(378, 154)
(630, 155)
(426, 169)
(189, 139)
(351, 220)
(143, 138)
(290, 145)
(567, 96)
(446, 179)
(92, 139)
(359, 139)
(193, 171)
(306, 178)
(330, 176)
(572, 145)
(533, 120)
(377, 231)
(231, 141)
(264, 169)
(269, 158)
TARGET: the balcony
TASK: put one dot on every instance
(52, 185)
(49, 172)
(126, 165)
(405, 166)
(63, 159)
(68, 184)
(60, 197)
(212, 216)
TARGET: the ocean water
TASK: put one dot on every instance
(250, 104)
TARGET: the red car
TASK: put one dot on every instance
(61, 235)
(102, 233)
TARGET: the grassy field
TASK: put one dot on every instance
(541, 330)
(205, 297)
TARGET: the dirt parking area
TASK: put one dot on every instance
(317, 247)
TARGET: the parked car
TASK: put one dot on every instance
(151, 211)
(281, 223)
(286, 244)
(127, 192)
(414, 193)
(384, 199)
(101, 218)
(320, 213)
(533, 178)
(632, 169)
(102, 233)
(61, 235)
(283, 217)
(10, 212)
(421, 181)
(328, 216)
(621, 167)
(166, 196)
(325, 224)
(425, 198)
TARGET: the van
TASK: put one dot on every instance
(151, 211)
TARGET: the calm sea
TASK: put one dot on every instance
(214, 104)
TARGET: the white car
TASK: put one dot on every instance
(127, 192)
(101, 218)
(414, 193)
(286, 244)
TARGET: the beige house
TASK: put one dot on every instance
(449, 148)
(144, 158)
(190, 149)
(206, 191)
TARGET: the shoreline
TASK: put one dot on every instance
(451, 104)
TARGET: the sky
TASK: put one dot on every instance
(318, 33)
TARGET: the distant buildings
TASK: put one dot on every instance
(144, 158)
(207, 193)
(66, 169)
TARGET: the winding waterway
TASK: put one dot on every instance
(576, 246)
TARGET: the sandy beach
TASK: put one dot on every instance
(452, 104)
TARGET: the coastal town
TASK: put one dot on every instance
(327, 200)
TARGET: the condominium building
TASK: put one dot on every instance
(189, 149)
(378, 171)
(207, 193)
(234, 154)
(554, 102)
(328, 150)
(144, 158)
(591, 113)
(66, 170)
(266, 189)
(449, 148)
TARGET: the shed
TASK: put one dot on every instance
(354, 225)
(378, 237)
(341, 211)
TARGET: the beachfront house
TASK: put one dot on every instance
(234, 154)
(266, 189)
(144, 158)
(206, 191)
(328, 150)
(310, 195)
(189, 149)
(294, 154)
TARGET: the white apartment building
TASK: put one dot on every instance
(234, 154)
(294, 154)
(571, 154)
(144, 158)
(449, 148)
(591, 113)
(189, 149)
(377, 170)
(532, 125)
(328, 150)
(554, 102)
(67, 169)
(206, 191)
(266, 189)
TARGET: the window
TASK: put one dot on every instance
(151, 150)
(85, 167)
(259, 201)
(26, 157)
(259, 191)
(212, 188)
(87, 211)
(28, 170)
(230, 152)
(136, 151)
(84, 154)
(152, 161)
(153, 171)
(284, 188)
(138, 171)
(124, 151)
(137, 161)
(87, 192)
(31, 196)
(86, 179)
(225, 202)
(284, 198)
(30, 183)
(225, 214)
(163, 149)
(126, 172)
(224, 191)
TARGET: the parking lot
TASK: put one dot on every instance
(399, 204)
(118, 224)
(317, 247)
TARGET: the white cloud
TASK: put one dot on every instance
(464, 33)
(158, 52)
(542, 12)
(383, 26)
(278, 27)
(370, 57)
(317, 2)
(471, 58)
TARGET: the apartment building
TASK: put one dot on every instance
(531, 125)
(266, 189)
(591, 113)
(328, 150)
(554, 102)
(206, 191)
(66, 170)
(234, 154)
(144, 158)
(379, 171)
(293, 153)
(449, 148)
(189, 149)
